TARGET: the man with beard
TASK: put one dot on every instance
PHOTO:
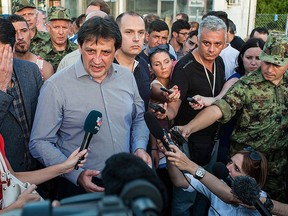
(20, 83)
(22, 45)
(132, 29)
(179, 34)
(27, 9)
(58, 45)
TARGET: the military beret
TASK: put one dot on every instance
(276, 50)
(59, 13)
(18, 5)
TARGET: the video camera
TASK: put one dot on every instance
(138, 197)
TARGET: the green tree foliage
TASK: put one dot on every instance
(272, 7)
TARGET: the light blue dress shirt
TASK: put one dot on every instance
(65, 101)
(221, 207)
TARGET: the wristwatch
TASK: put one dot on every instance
(268, 203)
(200, 173)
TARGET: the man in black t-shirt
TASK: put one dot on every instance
(200, 72)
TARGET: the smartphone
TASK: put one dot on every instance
(157, 107)
(168, 141)
(166, 90)
(177, 137)
(192, 100)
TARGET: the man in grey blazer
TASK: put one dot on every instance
(20, 83)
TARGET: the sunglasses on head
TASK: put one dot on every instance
(253, 155)
(160, 47)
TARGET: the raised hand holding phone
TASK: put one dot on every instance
(157, 108)
(166, 90)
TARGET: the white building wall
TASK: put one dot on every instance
(242, 14)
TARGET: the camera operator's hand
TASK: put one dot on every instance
(85, 180)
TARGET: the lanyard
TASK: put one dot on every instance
(214, 76)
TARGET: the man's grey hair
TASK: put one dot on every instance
(212, 23)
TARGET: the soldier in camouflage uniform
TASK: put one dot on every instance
(260, 102)
(27, 9)
(58, 46)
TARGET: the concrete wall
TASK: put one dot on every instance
(243, 14)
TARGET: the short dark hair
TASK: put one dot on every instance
(98, 27)
(148, 19)
(16, 18)
(184, 16)
(261, 30)
(252, 42)
(192, 33)
(178, 25)
(232, 27)
(158, 25)
(123, 168)
(130, 13)
(79, 20)
(7, 32)
(102, 4)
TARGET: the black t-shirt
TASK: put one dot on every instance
(237, 43)
(191, 79)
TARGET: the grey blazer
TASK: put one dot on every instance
(30, 82)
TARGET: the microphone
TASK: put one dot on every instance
(143, 197)
(91, 126)
(220, 171)
(248, 191)
(157, 131)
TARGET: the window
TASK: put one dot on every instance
(233, 2)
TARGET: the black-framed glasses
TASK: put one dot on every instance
(253, 154)
(159, 47)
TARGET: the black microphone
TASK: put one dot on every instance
(248, 191)
(157, 131)
(91, 126)
(220, 171)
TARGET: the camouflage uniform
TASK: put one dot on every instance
(18, 5)
(54, 57)
(40, 38)
(263, 116)
(46, 51)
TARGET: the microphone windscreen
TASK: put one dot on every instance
(93, 122)
(220, 170)
(246, 189)
(153, 125)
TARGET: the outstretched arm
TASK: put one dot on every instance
(42, 175)
(177, 160)
(205, 118)
(208, 101)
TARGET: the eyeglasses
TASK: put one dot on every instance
(183, 33)
(253, 155)
(156, 48)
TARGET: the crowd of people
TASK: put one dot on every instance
(52, 74)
